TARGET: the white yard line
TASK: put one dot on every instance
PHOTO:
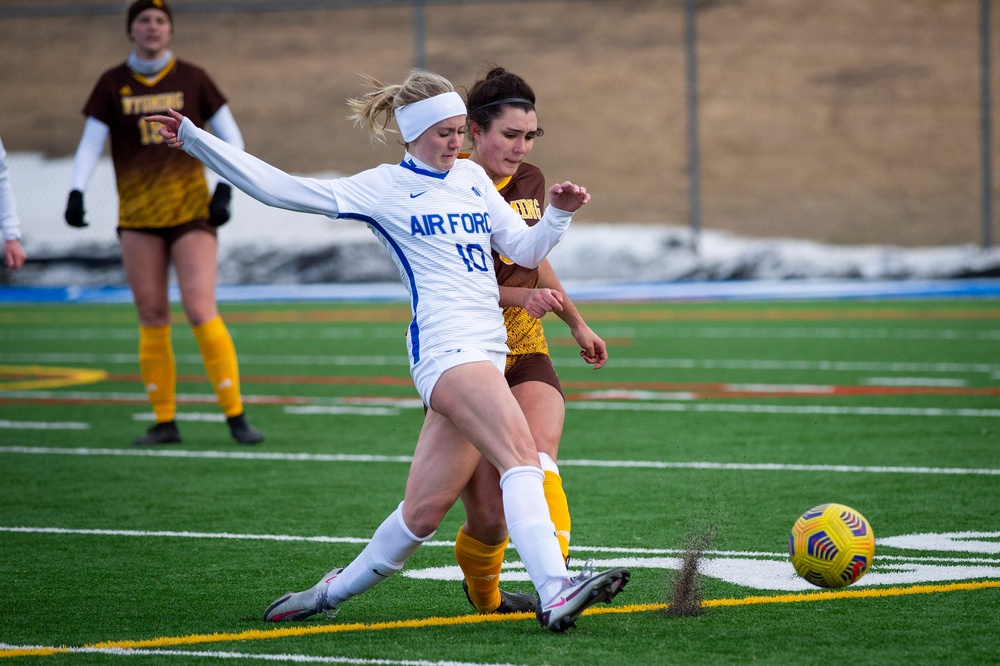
(42, 425)
(743, 408)
(942, 542)
(607, 464)
(340, 330)
(617, 361)
(670, 402)
(40, 650)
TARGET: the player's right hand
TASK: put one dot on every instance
(170, 127)
(74, 210)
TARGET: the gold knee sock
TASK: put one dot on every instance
(481, 565)
(555, 497)
(219, 355)
(159, 373)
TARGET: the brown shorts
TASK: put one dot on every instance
(531, 368)
(171, 234)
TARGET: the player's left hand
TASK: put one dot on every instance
(539, 301)
(14, 254)
(568, 196)
(593, 349)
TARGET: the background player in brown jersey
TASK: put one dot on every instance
(165, 215)
(503, 126)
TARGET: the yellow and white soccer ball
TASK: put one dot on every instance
(831, 545)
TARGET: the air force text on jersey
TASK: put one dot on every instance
(434, 224)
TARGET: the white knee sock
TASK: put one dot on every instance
(531, 530)
(389, 548)
(548, 464)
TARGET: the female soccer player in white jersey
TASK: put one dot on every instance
(438, 218)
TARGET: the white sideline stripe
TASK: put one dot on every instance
(215, 417)
(769, 333)
(783, 409)
(781, 467)
(685, 406)
(351, 540)
(196, 359)
(346, 409)
(364, 406)
(76, 357)
(43, 425)
(361, 331)
(344, 457)
(184, 534)
(74, 334)
(826, 366)
(235, 455)
(890, 542)
(95, 396)
(782, 388)
(914, 381)
(207, 417)
(294, 658)
(690, 363)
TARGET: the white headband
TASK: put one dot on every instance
(414, 118)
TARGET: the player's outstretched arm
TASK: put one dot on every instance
(263, 182)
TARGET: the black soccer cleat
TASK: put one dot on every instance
(161, 433)
(242, 431)
(510, 602)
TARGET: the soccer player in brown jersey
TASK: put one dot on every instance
(166, 215)
(503, 125)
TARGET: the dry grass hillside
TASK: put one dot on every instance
(849, 122)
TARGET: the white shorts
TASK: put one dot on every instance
(428, 371)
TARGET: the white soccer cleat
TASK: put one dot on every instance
(296, 606)
(580, 593)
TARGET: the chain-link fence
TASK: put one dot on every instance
(843, 122)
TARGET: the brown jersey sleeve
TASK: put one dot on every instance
(525, 192)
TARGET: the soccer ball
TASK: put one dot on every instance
(831, 545)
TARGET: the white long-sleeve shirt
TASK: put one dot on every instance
(10, 224)
(437, 227)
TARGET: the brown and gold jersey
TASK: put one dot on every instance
(157, 186)
(525, 192)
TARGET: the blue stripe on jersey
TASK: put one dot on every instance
(423, 172)
(414, 330)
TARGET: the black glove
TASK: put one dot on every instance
(218, 208)
(74, 210)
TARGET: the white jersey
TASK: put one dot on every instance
(437, 227)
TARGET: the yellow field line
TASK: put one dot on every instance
(35, 377)
(826, 595)
(299, 630)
